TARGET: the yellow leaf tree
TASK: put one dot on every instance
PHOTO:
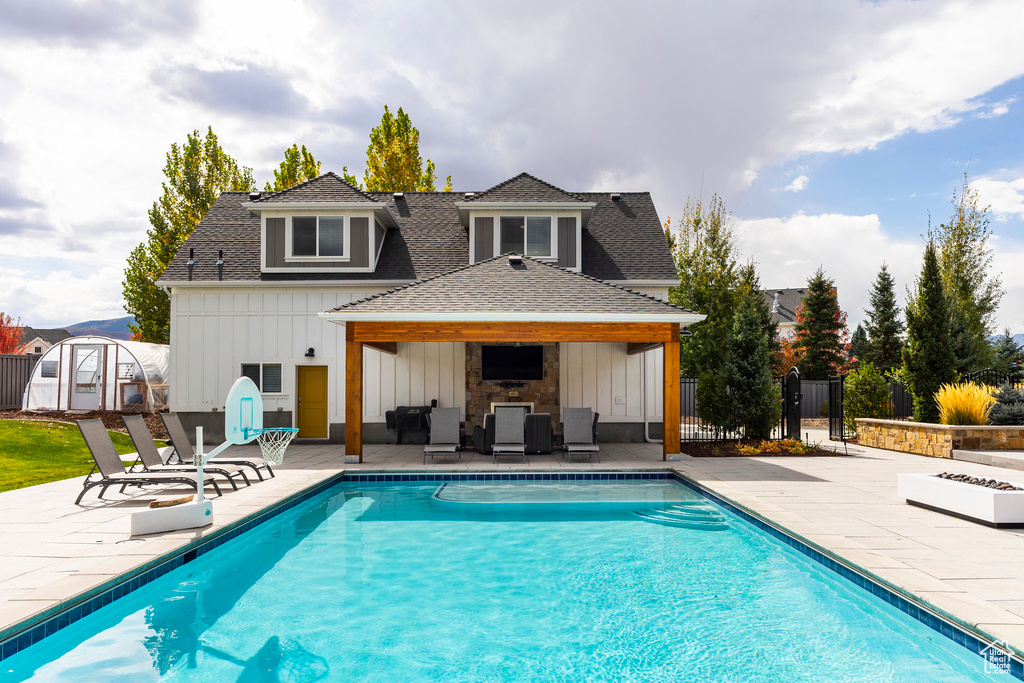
(393, 161)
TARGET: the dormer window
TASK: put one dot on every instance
(530, 235)
(318, 236)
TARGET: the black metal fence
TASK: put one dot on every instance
(993, 378)
(693, 428)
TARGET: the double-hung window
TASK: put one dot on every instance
(529, 235)
(266, 376)
(318, 236)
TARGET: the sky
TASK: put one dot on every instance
(833, 131)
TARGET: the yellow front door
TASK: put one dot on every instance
(312, 401)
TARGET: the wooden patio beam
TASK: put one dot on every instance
(512, 332)
(383, 346)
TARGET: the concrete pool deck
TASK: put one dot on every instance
(52, 550)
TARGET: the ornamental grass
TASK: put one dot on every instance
(964, 404)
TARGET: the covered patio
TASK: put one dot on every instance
(510, 299)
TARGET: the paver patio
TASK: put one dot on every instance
(51, 550)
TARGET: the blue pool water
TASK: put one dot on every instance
(385, 582)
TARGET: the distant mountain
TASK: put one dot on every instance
(115, 328)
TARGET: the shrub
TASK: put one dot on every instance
(824, 410)
(964, 404)
(1009, 406)
(865, 394)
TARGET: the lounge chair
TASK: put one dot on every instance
(509, 432)
(149, 456)
(184, 452)
(578, 433)
(445, 433)
(112, 470)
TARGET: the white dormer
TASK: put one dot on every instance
(545, 231)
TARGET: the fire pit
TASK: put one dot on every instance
(991, 502)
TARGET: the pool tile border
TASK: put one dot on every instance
(875, 585)
(34, 629)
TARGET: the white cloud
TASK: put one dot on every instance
(59, 297)
(1006, 197)
(799, 183)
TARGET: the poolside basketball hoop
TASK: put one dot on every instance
(273, 442)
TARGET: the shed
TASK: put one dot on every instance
(99, 373)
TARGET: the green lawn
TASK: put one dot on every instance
(37, 452)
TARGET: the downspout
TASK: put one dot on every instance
(643, 394)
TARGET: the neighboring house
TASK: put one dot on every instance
(35, 340)
(271, 284)
(783, 304)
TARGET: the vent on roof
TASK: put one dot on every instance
(191, 257)
(775, 304)
(399, 195)
(616, 196)
(220, 257)
(470, 195)
(515, 259)
(254, 195)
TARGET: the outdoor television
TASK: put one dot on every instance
(514, 363)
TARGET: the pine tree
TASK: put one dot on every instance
(197, 172)
(883, 324)
(820, 329)
(710, 278)
(1006, 353)
(928, 357)
(747, 372)
(859, 344)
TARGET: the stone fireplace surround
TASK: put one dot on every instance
(480, 394)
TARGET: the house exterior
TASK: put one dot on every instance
(783, 304)
(342, 304)
(35, 340)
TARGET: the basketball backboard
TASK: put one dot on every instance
(243, 411)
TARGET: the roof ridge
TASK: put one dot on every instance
(609, 284)
(330, 174)
(524, 174)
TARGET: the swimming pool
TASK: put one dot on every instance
(397, 581)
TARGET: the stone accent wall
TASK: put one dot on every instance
(480, 394)
(935, 440)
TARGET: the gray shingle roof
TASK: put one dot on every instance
(51, 336)
(789, 300)
(499, 286)
(622, 241)
(329, 187)
(523, 188)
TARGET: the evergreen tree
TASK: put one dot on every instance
(393, 162)
(197, 172)
(859, 344)
(820, 329)
(1006, 353)
(299, 165)
(928, 357)
(710, 278)
(883, 324)
(747, 372)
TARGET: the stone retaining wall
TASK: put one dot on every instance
(936, 440)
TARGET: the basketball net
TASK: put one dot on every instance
(273, 443)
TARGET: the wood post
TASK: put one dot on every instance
(670, 403)
(353, 393)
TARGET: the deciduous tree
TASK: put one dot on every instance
(928, 357)
(298, 166)
(10, 334)
(883, 324)
(821, 333)
(197, 172)
(393, 161)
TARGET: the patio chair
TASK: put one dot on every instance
(184, 452)
(149, 456)
(112, 470)
(445, 436)
(509, 432)
(578, 433)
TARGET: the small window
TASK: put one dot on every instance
(538, 236)
(48, 368)
(304, 236)
(126, 370)
(266, 376)
(512, 234)
(38, 349)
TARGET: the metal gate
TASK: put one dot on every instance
(836, 426)
(791, 396)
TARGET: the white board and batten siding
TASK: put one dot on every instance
(215, 330)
